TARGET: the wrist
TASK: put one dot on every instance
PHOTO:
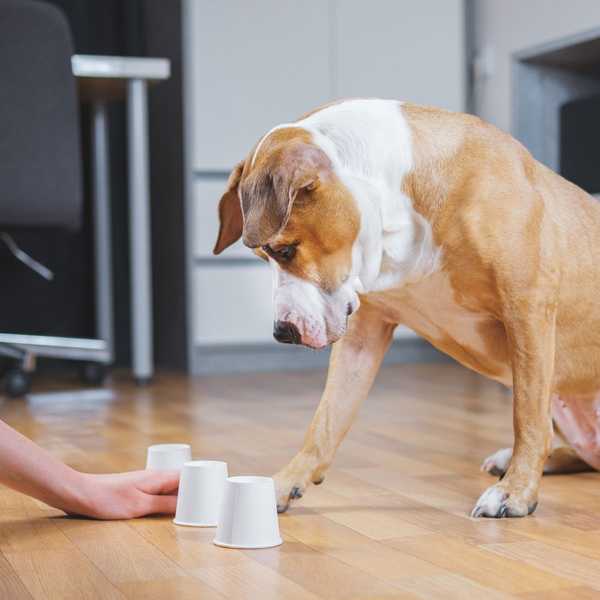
(78, 494)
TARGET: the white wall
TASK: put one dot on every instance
(508, 26)
(412, 50)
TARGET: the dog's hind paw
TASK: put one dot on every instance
(497, 463)
(498, 502)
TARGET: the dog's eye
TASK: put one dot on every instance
(286, 252)
(282, 253)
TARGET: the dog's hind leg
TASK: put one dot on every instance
(563, 459)
(497, 463)
(354, 363)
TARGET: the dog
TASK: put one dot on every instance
(374, 213)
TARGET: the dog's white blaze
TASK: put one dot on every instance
(369, 143)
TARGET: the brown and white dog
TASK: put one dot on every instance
(375, 212)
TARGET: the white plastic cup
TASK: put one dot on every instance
(248, 517)
(166, 457)
(200, 493)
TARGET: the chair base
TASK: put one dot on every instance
(94, 354)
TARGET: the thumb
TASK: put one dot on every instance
(158, 482)
(160, 505)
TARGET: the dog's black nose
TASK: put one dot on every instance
(286, 332)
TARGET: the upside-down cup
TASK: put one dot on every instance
(166, 457)
(248, 517)
(200, 493)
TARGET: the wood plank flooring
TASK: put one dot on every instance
(390, 521)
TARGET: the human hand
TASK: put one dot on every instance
(128, 495)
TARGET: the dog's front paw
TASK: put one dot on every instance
(288, 487)
(497, 463)
(498, 502)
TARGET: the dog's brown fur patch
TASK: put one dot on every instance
(320, 216)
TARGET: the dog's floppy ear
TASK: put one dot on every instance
(230, 213)
(268, 198)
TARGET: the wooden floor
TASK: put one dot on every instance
(390, 521)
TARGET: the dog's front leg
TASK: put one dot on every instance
(354, 363)
(532, 342)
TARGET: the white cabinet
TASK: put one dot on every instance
(402, 333)
(205, 200)
(254, 63)
(406, 49)
(233, 304)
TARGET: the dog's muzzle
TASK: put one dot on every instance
(286, 332)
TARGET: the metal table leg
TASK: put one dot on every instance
(139, 224)
(102, 226)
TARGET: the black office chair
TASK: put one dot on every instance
(40, 163)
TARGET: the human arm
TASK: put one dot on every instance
(29, 469)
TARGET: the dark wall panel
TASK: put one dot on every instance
(579, 134)
(131, 28)
(162, 27)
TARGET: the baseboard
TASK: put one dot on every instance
(209, 360)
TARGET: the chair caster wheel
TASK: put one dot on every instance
(93, 373)
(17, 383)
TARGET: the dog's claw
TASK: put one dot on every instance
(284, 504)
(497, 503)
(476, 512)
(492, 503)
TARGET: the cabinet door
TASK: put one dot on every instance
(205, 197)
(406, 49)
(233, 304)
(251, 65)
(404, 333)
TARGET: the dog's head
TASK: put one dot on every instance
(288, 204)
